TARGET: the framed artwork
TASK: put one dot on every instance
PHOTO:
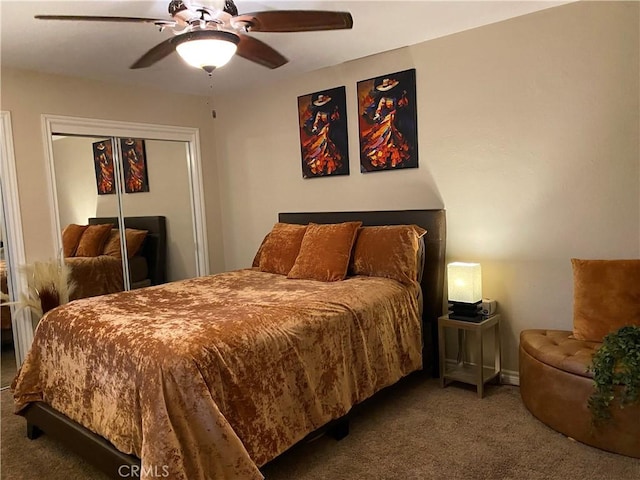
(134, 165)
(388, 122)
(323, 133)
(103, 164)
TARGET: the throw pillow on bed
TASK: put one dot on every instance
(389, 251)
(280, 248)
(71, 238)
(606, 297)
(93, 240)
(256, 259)
(325, 252)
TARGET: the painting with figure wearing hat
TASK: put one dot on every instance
(388, 122)
(323, 133)
(103, 163)
(134, 163)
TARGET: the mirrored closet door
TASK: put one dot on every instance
(7, 346)
(156, 182)
(127, 211)
(17, 327)
(85, 179)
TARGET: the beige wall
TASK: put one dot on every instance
(528, 136)
(169, 194)
(27, 95)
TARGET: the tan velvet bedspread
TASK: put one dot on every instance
(215, 376)
(94, 276)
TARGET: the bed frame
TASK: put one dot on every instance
(41, 418)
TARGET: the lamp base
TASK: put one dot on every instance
(469, 312)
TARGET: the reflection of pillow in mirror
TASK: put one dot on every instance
(71, 237)
(134, 238)
(112, 245)
(93, 240)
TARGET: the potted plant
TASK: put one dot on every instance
(616, 372)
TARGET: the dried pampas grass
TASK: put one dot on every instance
(48, 286)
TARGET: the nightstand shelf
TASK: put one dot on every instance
(468, 373)
(462, 370)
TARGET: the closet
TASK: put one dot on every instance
(111, 186)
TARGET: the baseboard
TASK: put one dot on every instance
(507, 377)
(510, 377)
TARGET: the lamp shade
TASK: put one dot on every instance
(464, 282)
(207, 49)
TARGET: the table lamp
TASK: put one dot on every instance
(465, 291)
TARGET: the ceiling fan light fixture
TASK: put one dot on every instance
(212, 51)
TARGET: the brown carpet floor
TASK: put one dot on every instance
(414, 430)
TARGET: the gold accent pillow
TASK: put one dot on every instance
(256, 259)
(71, 238)
(93, 240)
(135, 239)
(280, 248)
(606, 297)
(389, 251)
(325, 252)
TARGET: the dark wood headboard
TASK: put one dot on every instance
(434, 222)
(154, 248)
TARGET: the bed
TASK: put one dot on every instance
(102, 274)
(299, 356)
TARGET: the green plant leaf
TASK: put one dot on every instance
(616, 363)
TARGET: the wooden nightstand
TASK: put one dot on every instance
(462, 370)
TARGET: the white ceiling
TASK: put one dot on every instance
(105, 51)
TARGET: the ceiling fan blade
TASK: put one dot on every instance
(83, 18)
(296, 20)
(259, 52)
(156, 54)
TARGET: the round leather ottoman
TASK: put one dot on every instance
(555, 386)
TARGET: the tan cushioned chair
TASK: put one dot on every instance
(555, 387)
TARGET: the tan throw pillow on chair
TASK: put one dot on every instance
(606, 297)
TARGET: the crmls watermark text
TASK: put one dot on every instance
(136, 471)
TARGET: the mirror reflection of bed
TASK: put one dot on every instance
(98, 269)
(95, 257)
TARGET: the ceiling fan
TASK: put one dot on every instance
(207, 37)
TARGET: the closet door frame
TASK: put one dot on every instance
(59, 124)
(16, 281)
